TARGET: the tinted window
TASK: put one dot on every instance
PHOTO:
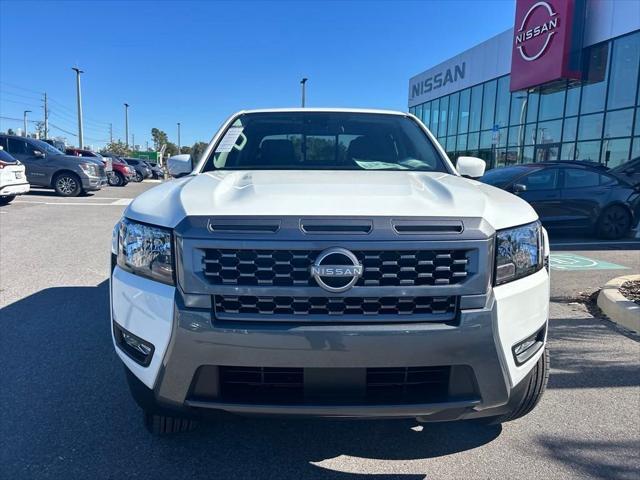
(5, 157)
(502, 176)
(325, 141)
(16, 146)
(578, 178)
(546, 179)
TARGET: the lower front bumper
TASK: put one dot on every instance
(94, 183)
(187, 339)
(14, 189)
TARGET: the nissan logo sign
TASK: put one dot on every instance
(336, 270)
(529, 30)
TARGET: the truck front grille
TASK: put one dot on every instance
(289, 268)
(226, 305)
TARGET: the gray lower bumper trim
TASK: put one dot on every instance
(349, 410)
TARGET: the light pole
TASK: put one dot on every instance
(79, 95)
(178, 137)
(25, 121)
(303, 84)
(126, 124)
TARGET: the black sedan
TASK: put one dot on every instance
(573, 195)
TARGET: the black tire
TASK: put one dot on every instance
(526, 398)
(614, 223)
(117, 180)
(157, 420)
(164, 425)
(67, 184)
(7, 200)
(139, 177)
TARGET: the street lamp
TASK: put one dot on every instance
(126, 124)
(303, 84)
(178, 137)
(79, 98)
(25, 121)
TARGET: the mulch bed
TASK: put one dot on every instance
(631, 290)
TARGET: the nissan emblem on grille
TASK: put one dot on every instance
(336, 270)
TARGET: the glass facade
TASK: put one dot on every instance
(596, 120)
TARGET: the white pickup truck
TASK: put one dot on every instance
(330, 262)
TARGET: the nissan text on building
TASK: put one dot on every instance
(562, 84)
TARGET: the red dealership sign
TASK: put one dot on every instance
(547, 42)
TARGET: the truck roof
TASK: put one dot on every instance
(313, 109)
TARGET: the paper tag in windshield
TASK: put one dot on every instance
(229, 140)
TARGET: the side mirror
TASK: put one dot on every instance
(38, 153)
(471, 167)
(180, 165)
(518, 188)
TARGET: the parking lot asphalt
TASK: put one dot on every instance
(65, 411)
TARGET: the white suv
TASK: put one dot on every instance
(323, 262)
(13, 180)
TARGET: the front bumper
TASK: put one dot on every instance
(185, 339)
(94, 183)
(14, 189)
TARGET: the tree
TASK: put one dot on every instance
(40, 129)
(10, 131)
(198, 149)
(185, 149)
(171, 149)
(119, 148)
(159, 138)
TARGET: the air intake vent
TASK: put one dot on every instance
(243, 226)
(347, 226)
(408, 227)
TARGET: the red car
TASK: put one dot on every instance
(118, 172)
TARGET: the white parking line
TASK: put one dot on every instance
(119, 202)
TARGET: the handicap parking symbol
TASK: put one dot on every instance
(569, 261)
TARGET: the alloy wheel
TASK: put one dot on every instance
(66, 185)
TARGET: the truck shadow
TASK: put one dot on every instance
(66, 410)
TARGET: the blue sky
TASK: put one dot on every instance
(198, 62)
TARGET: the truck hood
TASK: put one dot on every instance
(328, 193)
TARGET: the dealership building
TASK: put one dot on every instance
(562, 84)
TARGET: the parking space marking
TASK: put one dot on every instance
(570, 261)
(116, 203)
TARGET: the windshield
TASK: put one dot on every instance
(502, 176)
(46, 148)
(325, 141)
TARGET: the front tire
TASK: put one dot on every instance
(614, 223)
(7, 200)
(139, 177)
(525, 398)
(67, 185)
(117, 180)
(165, 425)
(157, 420)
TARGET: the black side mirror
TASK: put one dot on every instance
(38, 153)
(519, 188)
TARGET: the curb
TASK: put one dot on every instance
(617, 307)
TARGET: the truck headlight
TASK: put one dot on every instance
(146, 250)
(90, 169)
(519, 252)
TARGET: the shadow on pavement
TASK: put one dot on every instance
(37, 192)
(66, 413)
(584, 360)
(613, 456)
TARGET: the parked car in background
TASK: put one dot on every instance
(13, 180)
(142, 171)
(80, 152)
(628, 171)
(580, 196)
(122, 173)
(156, 171)
(48, 167)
